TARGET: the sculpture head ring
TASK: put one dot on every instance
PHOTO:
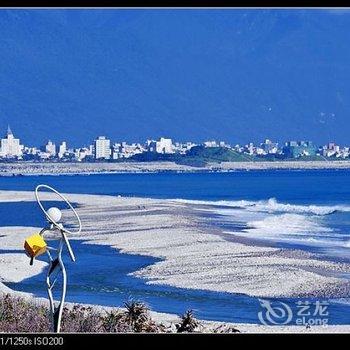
(50, 217)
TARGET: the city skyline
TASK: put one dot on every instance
(103, 148)
(204, 140)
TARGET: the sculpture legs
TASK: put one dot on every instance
(56, 265)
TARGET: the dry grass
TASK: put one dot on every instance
(20, 315)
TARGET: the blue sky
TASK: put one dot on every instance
(236, 75)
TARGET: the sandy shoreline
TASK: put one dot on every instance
(54, 168)
(194, 255)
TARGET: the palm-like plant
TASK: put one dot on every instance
(136, 312)
(111, 321)
(188, 323)
(138, 317)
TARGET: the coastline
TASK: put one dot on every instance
(55, 168)
(193, 254)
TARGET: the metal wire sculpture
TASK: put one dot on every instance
(56, 266)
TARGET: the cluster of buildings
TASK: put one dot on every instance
(295, 149)
(103, 149)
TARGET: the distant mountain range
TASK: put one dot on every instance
(236, 75)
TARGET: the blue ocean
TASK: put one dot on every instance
(308, 210)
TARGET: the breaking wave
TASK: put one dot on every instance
(287, 224)
(293, 228)
(272, 206)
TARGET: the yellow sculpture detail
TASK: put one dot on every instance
(35, 245)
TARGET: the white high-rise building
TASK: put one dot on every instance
(102, 148)
(10, 147)
(62, 149)
(50, 148)
(163, 145)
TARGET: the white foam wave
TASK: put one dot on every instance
(272, 206)
(292, 228)
(347, 244)
(286, 224)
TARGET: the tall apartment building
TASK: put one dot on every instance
(50, 148)
(102, 148)
(163, 145)
(10, 146)
(62, 149)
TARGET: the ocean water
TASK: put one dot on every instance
(309, 210)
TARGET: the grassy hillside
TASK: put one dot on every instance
(198, 156)
(217, 154)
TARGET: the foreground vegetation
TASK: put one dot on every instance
(22, 315)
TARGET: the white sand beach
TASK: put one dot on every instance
(194, 254)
